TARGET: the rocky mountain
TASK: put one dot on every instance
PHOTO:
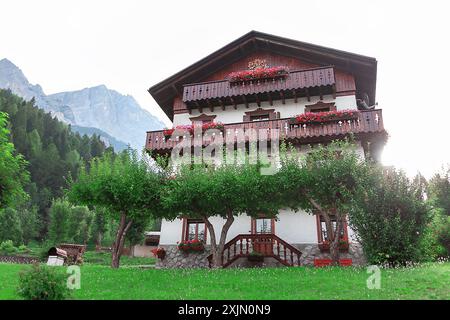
(119, 116)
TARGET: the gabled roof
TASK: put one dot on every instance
(362, 67)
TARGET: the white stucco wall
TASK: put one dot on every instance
(290, 109)
(293, 227)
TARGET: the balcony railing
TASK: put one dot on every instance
(297, 83)
(367, 122)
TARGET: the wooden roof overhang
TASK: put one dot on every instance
(363, 68)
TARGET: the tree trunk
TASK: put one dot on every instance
(335, 244)
(217, 248)
(333, 235)
(119, 241)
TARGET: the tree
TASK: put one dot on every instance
(324, 182)
(79, 224)
(439, 190)
(29, 221)
(226, 191)
(13, 173)
(439, 198)
(390, 217)
(99, 225)
(53, 153)
(60, 214)
(125, 185)
(10, 228)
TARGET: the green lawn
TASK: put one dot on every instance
(430, 281)
(104, 259)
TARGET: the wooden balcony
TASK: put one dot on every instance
(301, 83)
(368, 124)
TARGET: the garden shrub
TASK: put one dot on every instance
(43, 283)
(431, 246)
(444, 234)
(7, 248)
(390, 219)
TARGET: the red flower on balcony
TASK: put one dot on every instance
(212, 125)
(258, 74)
(326, 116)
(168, 132)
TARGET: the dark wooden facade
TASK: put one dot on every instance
(313, 71)
(352, 73)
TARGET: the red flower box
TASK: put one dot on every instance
(212, 125)
(326, 116)
(191, 246)
(168, 132)
(327, 262)
(258, 74)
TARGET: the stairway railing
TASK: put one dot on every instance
(268, 245)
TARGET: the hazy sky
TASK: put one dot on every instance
(131, 45)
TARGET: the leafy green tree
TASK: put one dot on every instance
(60, 214)
(99, 225)
(439, 190)
(226, 191)
(125, 185)
(324, 182)
(53, 152)
(13, 173)
(10, 228)
(390, 218)
(439, 229)
(79, 224)
(29, 221)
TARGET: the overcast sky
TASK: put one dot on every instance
(130, 45)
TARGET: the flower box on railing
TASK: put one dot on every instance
(212, 125)
(325, 246)
(322, 117)
(160, 253)
(182, 128)
(258, 74)
(191, 246)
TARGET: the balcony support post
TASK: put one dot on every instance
(282, 97)
(245, 101)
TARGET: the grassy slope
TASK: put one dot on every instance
(431, 281)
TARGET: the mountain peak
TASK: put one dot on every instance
(117, 115)
(5, 61)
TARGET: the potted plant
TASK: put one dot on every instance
(255, 256)
(159, 252)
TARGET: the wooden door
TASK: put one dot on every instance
(263, 227)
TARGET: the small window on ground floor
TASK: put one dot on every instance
(262, 225)
(322, 228)
(195, 229)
